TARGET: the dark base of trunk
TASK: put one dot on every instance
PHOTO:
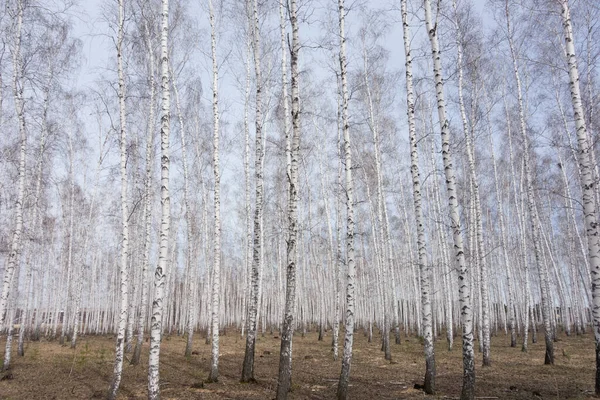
(468, 388)
(342, 390)
(188, 346)
(549, 357)
(213, 377)
(137, 352)
(429, 384)
(597, 369)
(386, 346)
(284, 381)
(248, 366)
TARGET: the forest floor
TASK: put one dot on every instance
(51, 371)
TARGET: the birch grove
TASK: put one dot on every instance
(320, 188)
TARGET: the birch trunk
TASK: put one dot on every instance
(188, 220)
(468, 388)
(484, 311)
(165, 222)
(147, 219)
(342, 390)
(216, 301)
(36, 226)
(429, 384)
(123, 273)
(248, 366)
(533, 217)
(587, 181)
(247, 207)
(503, 237)
(386, 258)
(338, 236)
(15, 247)
(287, 332)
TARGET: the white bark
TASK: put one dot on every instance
(342, 390)
(216, 301)
(429, 385)
(587, 181)
(247, 206)
(165, 222)
(36, 226)
(123, 273)
(147, 219)
(484, 311)
(287, 332)
(188, 221)
(468, 388)
(542, 268)
(15, 247)
(248, 366)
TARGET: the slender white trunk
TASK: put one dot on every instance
(342, 390)
(165, 221)
(248, 234)
(35, 225)
(484, 311)
(468, 388)
(587, 182)
(542, 268)
(123, 273)
(248, 366)
(429, 385)
(147, 219)
(15, 247)
(338, 215)
(6, 363)
(216, 300)
(384, 237)
(188, 221)
(69, 264)
(285, 357)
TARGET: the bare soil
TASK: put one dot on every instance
(51, 371)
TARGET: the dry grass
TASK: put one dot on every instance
(50, 371)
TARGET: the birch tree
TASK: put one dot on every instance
(148, 197)
(248, 366)
(214, 365)
(123, 274)
(484, 281)
(287, 332)
(342, 390)
(165, 221)
(15, 246)
(587, 181)
(466, 313)
(533, 214)
(429, 384)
